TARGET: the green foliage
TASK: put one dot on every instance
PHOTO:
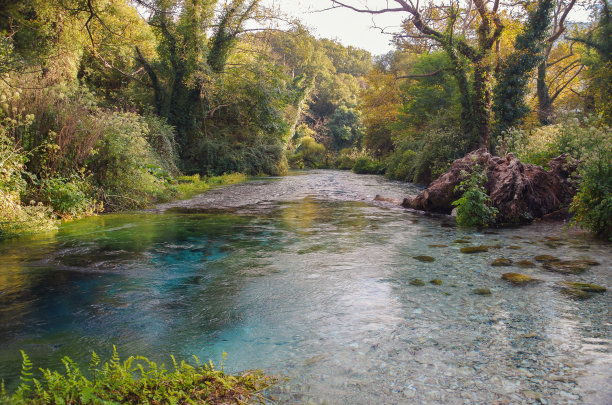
(124, 166)
(135, 380)
(573, 136)
(513, 78)
(422, 159)
(473, 207)
(599, 62)
(345, 128)
(308, 154)
(69, 197)
(366, 165)
(592, 205)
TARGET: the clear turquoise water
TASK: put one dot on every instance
(307, 277)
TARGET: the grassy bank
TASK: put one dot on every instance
(136, 380)
(18, 219)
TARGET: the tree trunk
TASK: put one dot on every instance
(481, 102)
(545, 107)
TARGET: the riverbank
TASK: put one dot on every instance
(18, 220)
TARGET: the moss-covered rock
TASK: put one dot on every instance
(501, 261)
(525, 264)
(518, 278)
(435, 281)
(426, 259)
(546, 258)
(576, 294)
(417, 282)
(482, 291)
(594, 288)
(568, 266)
(474, 249)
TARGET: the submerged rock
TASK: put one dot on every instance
(427, 259)
(521, 192)
(569, 266)
(437, 246)
(501, 261)
(461, 241)
(518, 278)
(546, 258)
(435, 281)
(474, 249)
(514, 247)
(482, 291)
(587, 287)
(379, 197)
(417, 282)
(525, 264)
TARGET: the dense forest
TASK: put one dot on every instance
(112, 104)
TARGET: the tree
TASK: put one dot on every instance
(565, 63)
(515, 70)
(468, 36)
(190, 63)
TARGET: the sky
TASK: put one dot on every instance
(352, 28)
(348, 27)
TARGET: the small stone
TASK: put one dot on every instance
(417, 282)
(438, 246)
(501, 261)
(482, 291)
(552, 238)
(532, 395)
(461, 241)
(436, 281)
(474, 249)
(427, 259)
(530, 335)
(525, 264)
(518, 278)
(546, 258)
(514, 247)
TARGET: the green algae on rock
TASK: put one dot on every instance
(417, 282)
(518, 278)
(426, 259)
(584, 286)
(501, 261)
(481, 291)
(546, 258)
(474, 249)
(435, 281)
(525, 264)
(569, 266)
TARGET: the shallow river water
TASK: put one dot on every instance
(307, 277)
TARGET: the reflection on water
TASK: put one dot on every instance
(305, 277)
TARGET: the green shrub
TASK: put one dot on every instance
(592, 205)
(366, 165)
(423, 159)
(135, 380)
(16, 218)
(308, 154)
(473, 208)
(125, 167)
(69, 197)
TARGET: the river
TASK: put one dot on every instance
(307, 277)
